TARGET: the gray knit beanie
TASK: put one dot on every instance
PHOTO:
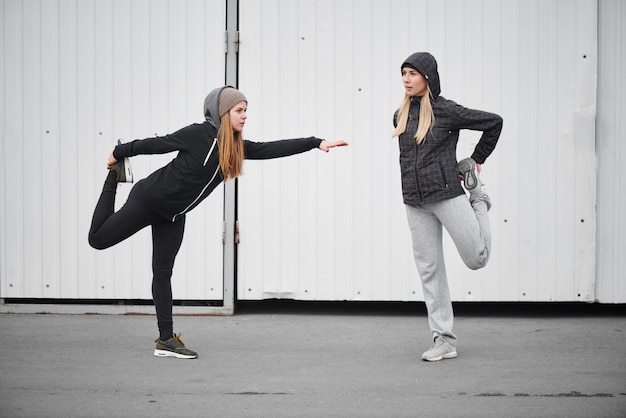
(229, 97)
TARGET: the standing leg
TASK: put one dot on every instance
(426, 233)
(167, 237)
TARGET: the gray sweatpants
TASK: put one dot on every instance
(468, 226)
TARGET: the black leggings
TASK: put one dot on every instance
(109, 228)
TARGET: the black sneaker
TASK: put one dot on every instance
(471, 181)
(173, 347)
(122, 169)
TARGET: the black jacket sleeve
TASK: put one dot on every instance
(177, 141)
(276, 149)
(477, 120)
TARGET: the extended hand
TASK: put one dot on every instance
(327, 145)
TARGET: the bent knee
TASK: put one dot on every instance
(96, 244)
(476, 266)
(478, 262)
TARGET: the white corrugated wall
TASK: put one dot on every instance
(333, 226)
(76, 75)
(611, 132)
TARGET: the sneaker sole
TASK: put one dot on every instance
(466, 168)
(166, 353)
(445, 356)
(128, 172)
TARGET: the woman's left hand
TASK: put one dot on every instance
(327, 145)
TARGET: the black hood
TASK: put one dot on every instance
(426, 64)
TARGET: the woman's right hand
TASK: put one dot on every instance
(327, 145)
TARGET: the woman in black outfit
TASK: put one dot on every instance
(208, 153)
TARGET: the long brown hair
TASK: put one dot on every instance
(426, 117)
(231, 148)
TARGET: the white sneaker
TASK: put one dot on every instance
(440, 350)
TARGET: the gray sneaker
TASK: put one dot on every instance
(173, 347)
(122, 169)
(440, 350)
(471, 181)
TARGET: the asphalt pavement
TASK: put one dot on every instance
(297, 359)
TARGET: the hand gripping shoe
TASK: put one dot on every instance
(122, 169)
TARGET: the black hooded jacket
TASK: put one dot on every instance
(428, 169)
(195, 172)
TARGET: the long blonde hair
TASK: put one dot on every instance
(231, 148)
(426, 117)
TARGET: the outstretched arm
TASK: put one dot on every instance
(286, 147)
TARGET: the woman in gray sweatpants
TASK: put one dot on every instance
(427, 126)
